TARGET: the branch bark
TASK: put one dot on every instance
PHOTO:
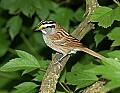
(95, 88)
(53, 72)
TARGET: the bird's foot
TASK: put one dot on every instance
(58, 62)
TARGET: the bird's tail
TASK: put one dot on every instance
(91, 52)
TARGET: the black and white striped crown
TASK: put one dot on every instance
(47, 23)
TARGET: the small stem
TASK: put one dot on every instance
(12, 51)
(64, 87)
(117, 2)
(67, 87)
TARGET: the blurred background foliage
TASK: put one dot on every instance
(18, 19)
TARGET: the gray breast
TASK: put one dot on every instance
(50, 43)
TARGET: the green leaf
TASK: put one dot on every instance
(11, 5)
(42, 8)
(79, 14)
(28, 7)
(27, 70)
(4, 42)
(116, 13)
(77, 67)
(18, 64)
(26, 61)
(109, 70)
(25, 87)
(78, 76)
(115, 35)
(115, 54)
(27, 56)
(98, 38)
(100, 34)
(43, 14)
(17, 6)
(81, 79)
(14, 24)
(62, 16)
(53, 6)
(105, 16)
(40, 76)
(114, 84)
(44, 63)
(112, 64)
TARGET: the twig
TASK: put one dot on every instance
(64, 87)
(54, 70)
(67, 86)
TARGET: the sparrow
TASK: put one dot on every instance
(57, 38)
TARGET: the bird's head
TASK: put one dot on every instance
(46, 26)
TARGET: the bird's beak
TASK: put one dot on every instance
(36, 29)
(39, 28)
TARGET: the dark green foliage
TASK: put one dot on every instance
(18, 19)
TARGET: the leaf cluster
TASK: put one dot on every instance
(26, 53)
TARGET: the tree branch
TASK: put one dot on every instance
(95, 88)
(54, 70)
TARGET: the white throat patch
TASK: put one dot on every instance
(44, 32)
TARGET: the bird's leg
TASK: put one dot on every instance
(59, 60)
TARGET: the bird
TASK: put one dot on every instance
(57, 38)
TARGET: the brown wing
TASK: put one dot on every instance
(62, 38)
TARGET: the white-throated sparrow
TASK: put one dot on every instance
(57, 38)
